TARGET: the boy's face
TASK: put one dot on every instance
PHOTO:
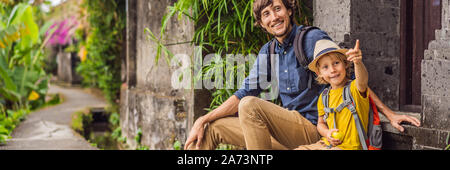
(275, 19)
(332, 70)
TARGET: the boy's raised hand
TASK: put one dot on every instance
(355, 54)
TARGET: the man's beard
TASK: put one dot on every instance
(286, 31)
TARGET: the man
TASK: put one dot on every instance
(264, 125)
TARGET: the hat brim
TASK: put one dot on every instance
(313, 65)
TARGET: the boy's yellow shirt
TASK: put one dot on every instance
(344, 119)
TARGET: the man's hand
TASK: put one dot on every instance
(196, 134)
(228, 108)
(396, 119)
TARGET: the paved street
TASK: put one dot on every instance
(49, 128)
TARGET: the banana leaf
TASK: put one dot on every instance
(9, 94)
(8, 82)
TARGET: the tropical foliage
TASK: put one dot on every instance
(100, 50)
(62, 31)
(221, 27)
(23, 82)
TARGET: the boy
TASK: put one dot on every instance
(334, 68)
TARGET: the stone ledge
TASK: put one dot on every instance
(387, 127)
(419, 138)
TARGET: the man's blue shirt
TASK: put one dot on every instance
(292, 77)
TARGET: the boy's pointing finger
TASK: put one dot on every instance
(357, 45)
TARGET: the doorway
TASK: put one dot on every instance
(419, 20)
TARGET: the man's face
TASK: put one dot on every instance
(275, 19)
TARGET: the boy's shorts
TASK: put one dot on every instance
(320, 145)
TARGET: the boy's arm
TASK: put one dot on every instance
(361, 74)
(362, 78)
(322, 127)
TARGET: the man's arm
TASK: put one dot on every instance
(394, 118)
(228, 108)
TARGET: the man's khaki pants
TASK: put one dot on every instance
(261, 125)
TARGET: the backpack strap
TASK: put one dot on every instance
(370, 125)
(298, 46)
(361, 133)
(300, 52)
(328, 110)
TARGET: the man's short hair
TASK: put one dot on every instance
(259, 5)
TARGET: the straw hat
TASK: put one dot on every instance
(322, 48)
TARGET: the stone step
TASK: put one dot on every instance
(437, 54)
(387, 127)
(442, 34)
(439, 44)
(415, 138)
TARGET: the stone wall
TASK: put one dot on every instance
(435, 114)
(333, 16)
(376, 23)
(148, 101)
(436, 78)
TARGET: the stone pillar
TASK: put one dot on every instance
(436, 77)
(149, 102)
(130, 70)
(67, 63)
(376, 24)
(333, 16)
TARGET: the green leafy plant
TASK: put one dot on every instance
(21, 69)
(101, 46)
(114, 120)
(228, 147)
(138, 136)
(221, 27)
(81, 120)
(177, 145)
(101, 69)
(138, 140)
(23, 82)
(8, 122)
(142, 147)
